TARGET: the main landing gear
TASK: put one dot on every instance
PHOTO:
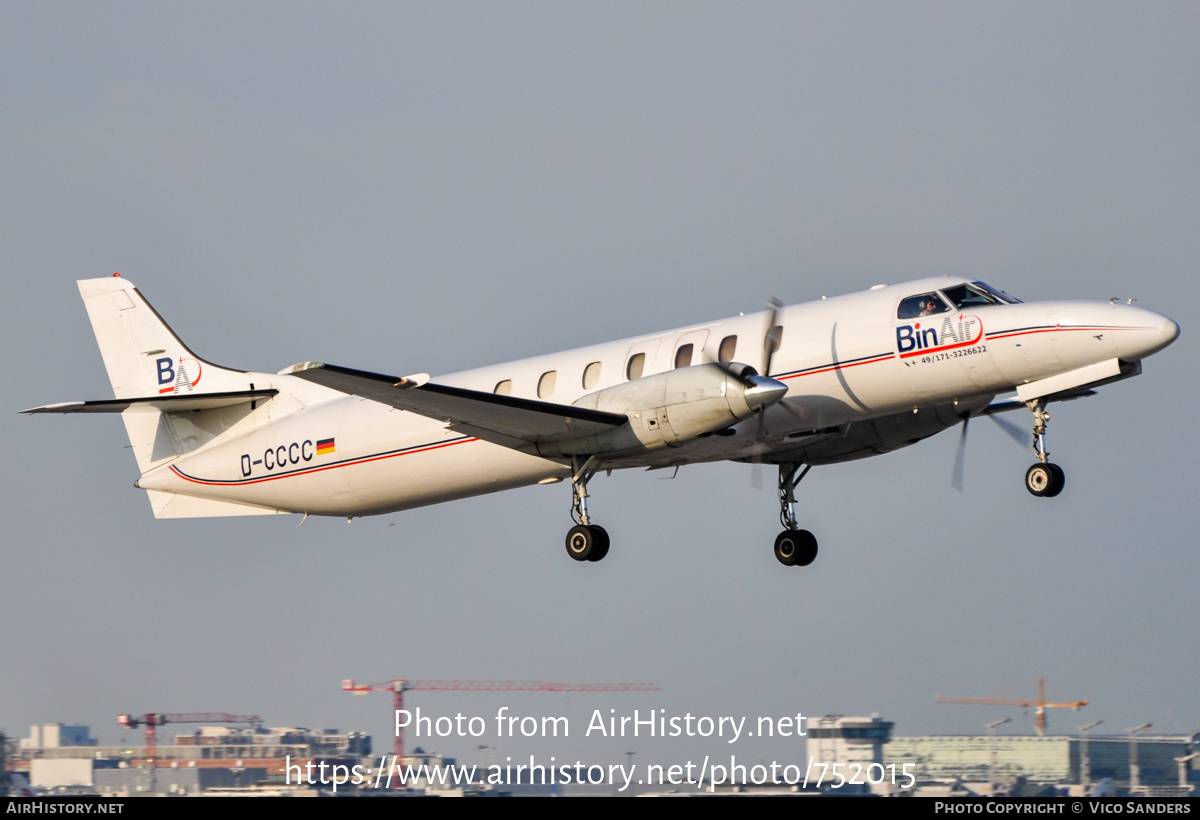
(1044, 479)
(586, 541)
(794, 547)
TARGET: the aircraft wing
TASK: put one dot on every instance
(505, 420)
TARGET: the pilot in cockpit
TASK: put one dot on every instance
(916, 307)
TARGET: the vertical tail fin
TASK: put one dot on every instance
(144, 358)
(142, 355)
(149, 368)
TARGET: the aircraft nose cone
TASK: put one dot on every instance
(763, 392)
(1152, 332)
(1170, 330)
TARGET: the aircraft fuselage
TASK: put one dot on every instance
(863, 378)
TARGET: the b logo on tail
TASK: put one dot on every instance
(176, 376)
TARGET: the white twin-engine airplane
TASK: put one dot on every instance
(841, 379)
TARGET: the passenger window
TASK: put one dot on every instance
(591, 376)
(727, 350)
(546, 384)
(927, 304)
(503, 388)
(637, 363)
(683, 356)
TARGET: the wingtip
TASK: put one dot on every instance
(52, 408)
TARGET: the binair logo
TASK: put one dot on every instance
(954, 331)
(173, 378)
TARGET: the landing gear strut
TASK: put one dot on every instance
(794, 547)
(585, 541)
(1044, 479)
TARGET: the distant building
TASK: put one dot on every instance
(1050, 760)
(53, 735)
(66, 758)
(855, 744)
(1145, 764)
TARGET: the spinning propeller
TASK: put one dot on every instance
(1016, 433)
(772, 335)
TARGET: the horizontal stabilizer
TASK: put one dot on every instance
(505, 420)
(175, 403)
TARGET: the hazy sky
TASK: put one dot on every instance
(432, 187)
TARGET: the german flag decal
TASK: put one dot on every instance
(325, 446)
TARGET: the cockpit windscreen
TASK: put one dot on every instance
(977, 294)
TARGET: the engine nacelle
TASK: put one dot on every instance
(668, 409)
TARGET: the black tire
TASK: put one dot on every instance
(795, 548)
(602, 542)
(581, 542)
(806, 548)
(1039, 480)
(1059, 480)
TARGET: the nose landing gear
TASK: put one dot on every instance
(1044, 479)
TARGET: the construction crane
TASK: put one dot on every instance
(398, 686)
(1040, 704)
(151, 720)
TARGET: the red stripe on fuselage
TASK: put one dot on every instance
(311, 470)
(883, 358)
(1056, 330)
